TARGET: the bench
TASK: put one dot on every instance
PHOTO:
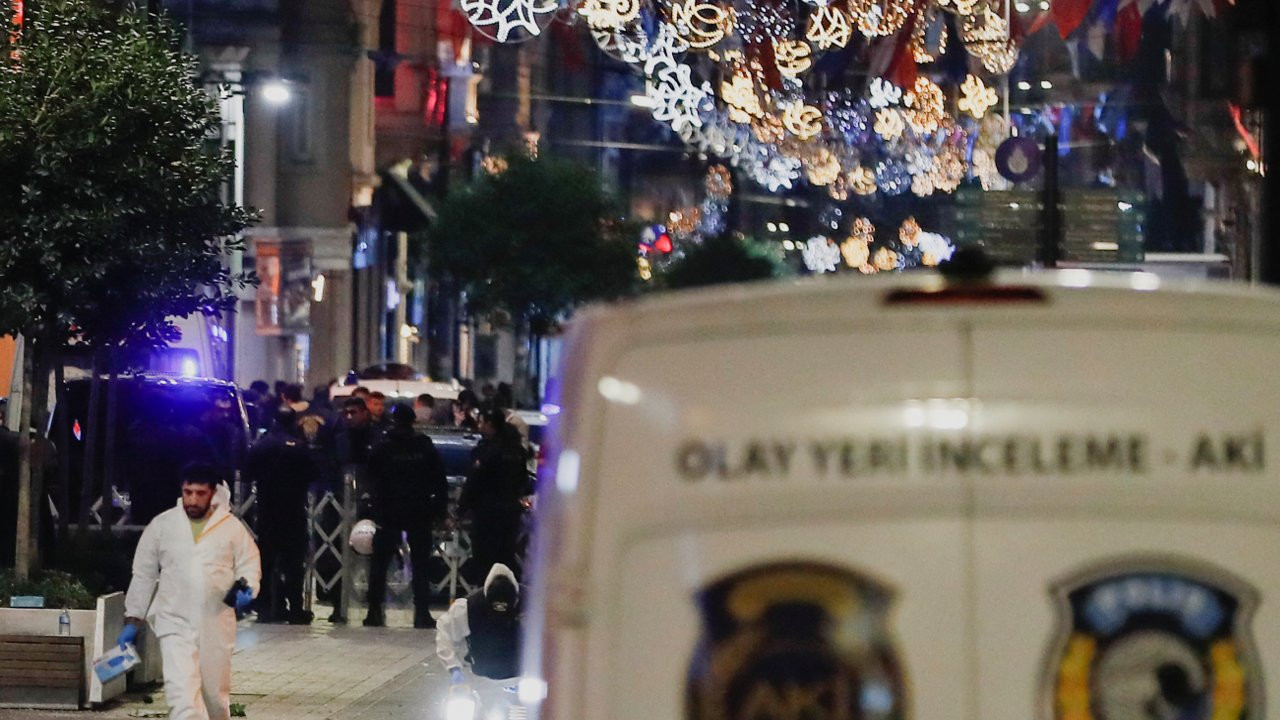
(41, 671)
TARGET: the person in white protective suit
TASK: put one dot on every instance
(186, 574)
(485, 626)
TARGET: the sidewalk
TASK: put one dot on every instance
(321, 672)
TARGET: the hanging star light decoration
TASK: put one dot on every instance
(921, 38)
(768, 128)
(986, 37)
(881, 18)
(862, 180)
(803, 121)
(885, 259)
(889, 124)
(718, 182)
(703, 24)
(822, 169)
(764, 115)
(926, 105)
(909, 233)
(975, 97)
(922, 183)
(794, 57)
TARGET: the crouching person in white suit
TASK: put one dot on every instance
(187, 563)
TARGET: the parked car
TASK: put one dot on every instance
(161, 424)
(396, 380)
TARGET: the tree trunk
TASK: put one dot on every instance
(109, 460)
(520, 390)
(90, 428)
(64, 445)
(40, 447)
(25, 539)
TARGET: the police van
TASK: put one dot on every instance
(1029, 496)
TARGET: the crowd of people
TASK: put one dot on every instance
(312, 445)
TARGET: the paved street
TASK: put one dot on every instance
(284, 672)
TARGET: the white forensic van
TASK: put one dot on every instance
(1038, 497)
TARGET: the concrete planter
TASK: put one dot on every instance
(99, 628)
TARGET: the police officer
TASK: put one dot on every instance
(485, 625)
(281, 465)
(409, 493)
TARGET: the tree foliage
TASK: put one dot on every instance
(533, 242)
(112, 222)
(722, 259)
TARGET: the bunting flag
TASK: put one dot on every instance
(903, 69)
(1068, 15)
(1128, 31)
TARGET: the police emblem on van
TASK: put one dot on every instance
(1154, 640)
(795, 641)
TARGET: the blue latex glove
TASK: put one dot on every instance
(128, 635)
(456, 677)
(243, 598)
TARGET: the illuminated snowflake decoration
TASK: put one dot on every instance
(508, 17)
(975, 97)
(884, 93)
(829, 27)
(628, 44)
(676, 100)
(820, 255)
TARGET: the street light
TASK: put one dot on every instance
(275, 91)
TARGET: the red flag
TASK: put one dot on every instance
(1128, 32)
(1068, 14)
(903, 70)
(567, 39)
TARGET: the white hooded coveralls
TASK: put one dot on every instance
(453, 628)
(188, 578)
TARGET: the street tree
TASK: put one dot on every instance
(530, 243)
(721, 259)
(113, 222)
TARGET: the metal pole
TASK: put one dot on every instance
(348, 555)
(1268, 253)
(1051, 217)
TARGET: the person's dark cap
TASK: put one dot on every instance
(403, 415)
